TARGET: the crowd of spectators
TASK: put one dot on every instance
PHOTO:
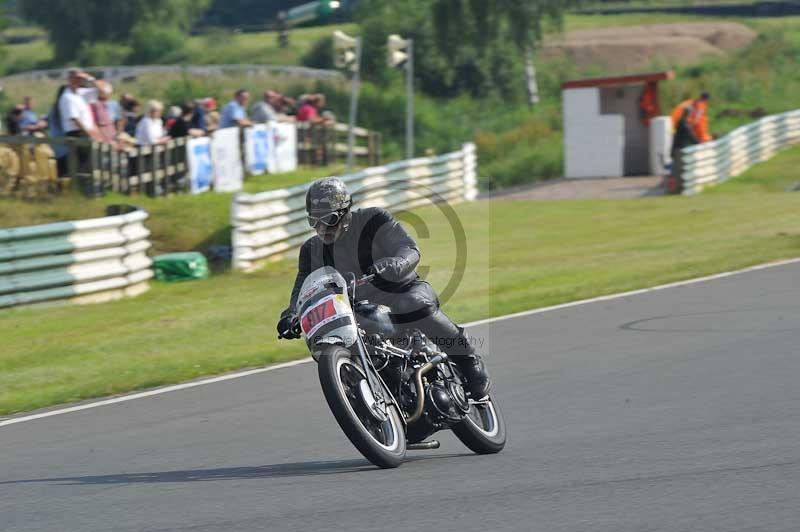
(85, 108)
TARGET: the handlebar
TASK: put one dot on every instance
(295, 328)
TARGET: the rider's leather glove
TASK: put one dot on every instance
(285, 329)
(390, 268)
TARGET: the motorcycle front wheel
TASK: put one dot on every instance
(377, 433)
(483, 429)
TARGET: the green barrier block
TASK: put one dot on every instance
(186, 266)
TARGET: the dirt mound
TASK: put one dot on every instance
(627, 49)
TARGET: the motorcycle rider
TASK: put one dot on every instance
(371, 240)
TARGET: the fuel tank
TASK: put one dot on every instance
(374, 319)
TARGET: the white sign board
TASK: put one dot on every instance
(226, 155)
(201, 170)
(259, 147)
(284, 137)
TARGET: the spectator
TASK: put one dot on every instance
(288, 106)
(199, 116)
(211, 115)
(29, 123)
(130, 114)
(696, 118)
(115, 110)
(76, 115)
(267, 109)
(182, 127)
(54, 129)
(307, 112)
(234, 114)
(172, 115)
(684, 133)
(150, 129)
(103, 118)
(13, 120)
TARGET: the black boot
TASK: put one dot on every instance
(475, 374)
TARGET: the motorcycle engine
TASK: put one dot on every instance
(445, 401)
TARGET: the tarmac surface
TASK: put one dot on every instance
(663, 411)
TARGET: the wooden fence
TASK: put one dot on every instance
(28, 165)
(323, 144)
(94, 168)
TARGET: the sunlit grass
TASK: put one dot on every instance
(521, 255)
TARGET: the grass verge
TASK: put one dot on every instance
(539, 254)
(178, 223)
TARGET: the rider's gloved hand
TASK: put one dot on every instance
(286, 327)
(390, 268)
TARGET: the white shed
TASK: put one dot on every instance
(607, 126)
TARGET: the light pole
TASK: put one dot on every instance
(401, 55)
(347, 56)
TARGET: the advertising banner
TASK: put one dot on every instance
(227, 159)
(201, 171)
(285, 142)
(258, 144)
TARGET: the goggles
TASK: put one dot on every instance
(330, 219)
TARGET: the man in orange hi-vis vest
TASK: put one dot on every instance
(695, 113)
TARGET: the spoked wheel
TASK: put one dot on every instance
(377, 432)
(483, 429)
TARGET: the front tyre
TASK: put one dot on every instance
(382, 442)
(483, 429)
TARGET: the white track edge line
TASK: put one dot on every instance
(155, 391)
(633, 292)
(230, 376)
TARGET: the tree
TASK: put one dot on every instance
(78, 23)
(520, 21)
(471, 46)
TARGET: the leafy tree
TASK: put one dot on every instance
(518, 21)
(78, 23)
(471, 46)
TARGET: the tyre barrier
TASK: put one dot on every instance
(710, 163)
(268, 225)
(85, 261)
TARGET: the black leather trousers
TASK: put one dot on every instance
(416, 306)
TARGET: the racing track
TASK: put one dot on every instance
(671, 410)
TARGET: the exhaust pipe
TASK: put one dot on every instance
(425, 368)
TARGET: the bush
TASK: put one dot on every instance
(187, 89)
(153, 43)
(103, 53)
(320, 55)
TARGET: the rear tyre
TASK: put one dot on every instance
(382, 442)
(483, 429)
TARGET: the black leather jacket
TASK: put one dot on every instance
(373, 234)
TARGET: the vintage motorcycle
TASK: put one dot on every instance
(389, 387)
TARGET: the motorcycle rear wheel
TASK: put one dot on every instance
(483, 429)
(381, 442)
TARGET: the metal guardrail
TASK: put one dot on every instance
(710, 163)
(85, 261)
(131, 71)
(268, 225)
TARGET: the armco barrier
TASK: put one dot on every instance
(710, 163)
(83, 262)
(268, 225)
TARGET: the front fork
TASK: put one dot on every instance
(377, 388)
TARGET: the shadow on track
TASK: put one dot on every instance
(291, 469)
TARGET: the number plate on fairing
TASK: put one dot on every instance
(323, 312)
(324, 309)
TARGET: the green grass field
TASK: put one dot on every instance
(179, 223)
(521, 255)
